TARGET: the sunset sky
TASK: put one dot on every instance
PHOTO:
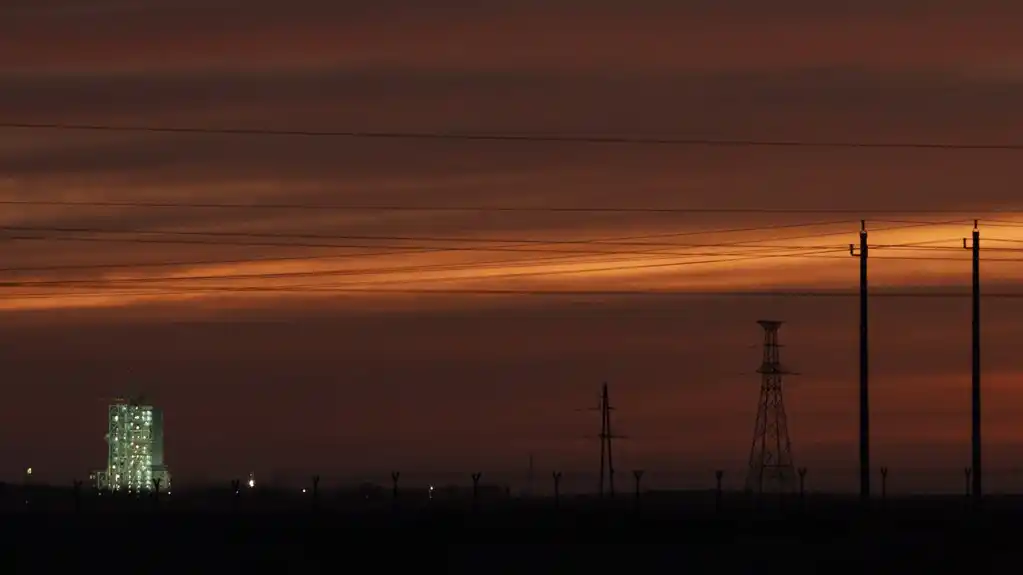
(271, 363)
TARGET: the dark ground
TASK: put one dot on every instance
(218, 532)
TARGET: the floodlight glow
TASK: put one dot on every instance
(135, 449)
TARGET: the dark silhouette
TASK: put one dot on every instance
(78, 494)
(607, 468)
(770, 458)
(156, 490)
(864, 368)
(277, 521)
(718, 475)
(476, 488)
(638, 475)
(529, 477)
(802, 482)
(237, 493)
(977, 486)
(494, 505)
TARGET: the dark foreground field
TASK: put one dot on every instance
(670, 533)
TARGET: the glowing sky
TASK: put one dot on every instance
(296, 381)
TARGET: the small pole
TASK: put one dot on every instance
(884, 484)
(78, 494)
(395, 476)
(719, 475)
(802, 484)
(975, 418)
(557, 488)
(864, 366)
(316, 491)
(475, 488)
(638, 474)
(969, 473)
(27, 484)
(529, 480)
(156, 490)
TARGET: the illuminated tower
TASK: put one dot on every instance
(134, 448)
(770, 460)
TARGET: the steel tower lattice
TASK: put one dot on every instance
(770, 462)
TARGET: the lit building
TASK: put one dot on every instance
(134, 449)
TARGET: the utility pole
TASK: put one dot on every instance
(977, 485)
(608, 437)
(864, 367)
(529, 479)
(607, 468)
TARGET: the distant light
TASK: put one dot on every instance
(303, 490)
(29, 471)
(252, 483)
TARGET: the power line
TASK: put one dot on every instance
(525, 209)
(417, 269)
(410, 249)
(513, 137)
(329, 273)
(513, 245)
(512, 242)
(499, 276)
(1002, 223)
(785, 251)
(431, 239)
(186, 263)
(518, 292)
(718, 257)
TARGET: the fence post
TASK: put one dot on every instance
(156, 490)
(718, 475)
(476, 488)
(802, 486)
(638, 474)
(78, 494)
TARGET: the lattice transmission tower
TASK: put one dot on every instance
(607, 466)
(770, 460)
